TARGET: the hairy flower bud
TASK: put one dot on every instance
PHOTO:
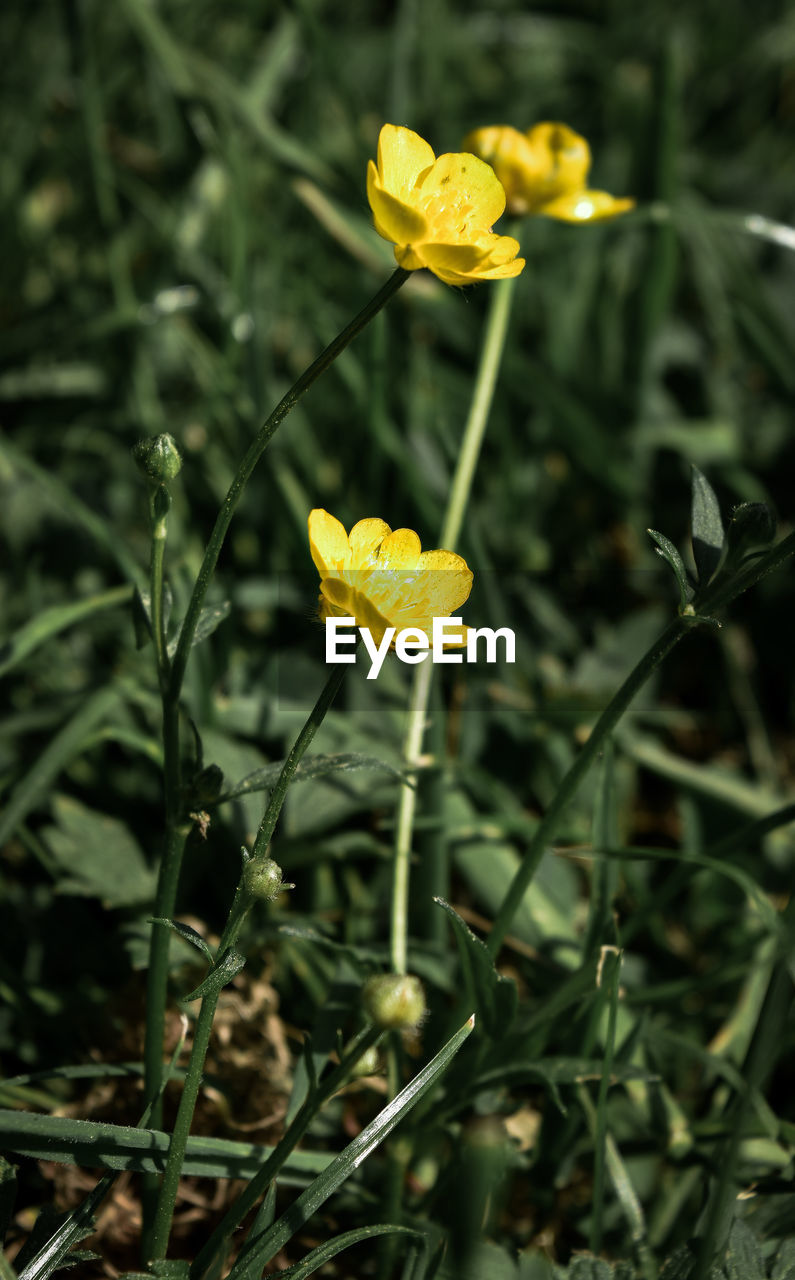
(262, 878)
(394, 1001)
(158, 458)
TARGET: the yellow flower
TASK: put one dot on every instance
(439, 213)
(545, 171)
(384, 578)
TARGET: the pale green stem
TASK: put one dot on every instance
(488, 368)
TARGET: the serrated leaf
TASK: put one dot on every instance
(743, 1259)
(98, 856)
(218, 977)
(312, 767)
(210, 617)
(706, 527)
(185, 931)
(666, 549)
(259, 1252)
(494, 997)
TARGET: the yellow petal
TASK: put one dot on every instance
(466, 263)
(402, 156)
(586, 206)
(461, 197)
(365, 539)
(515, 162)
(393, 219)
(328, 542)
(399, 550)
(561, 160)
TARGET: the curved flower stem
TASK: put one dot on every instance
(252, 457)
(237, 914)
(171, 678)
(488, 368)
(721, 594)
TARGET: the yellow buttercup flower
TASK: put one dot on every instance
(384, 578)
(439, 212)
(545, 171)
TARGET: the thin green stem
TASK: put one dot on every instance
(239, 909)
(288, 1142)
(313, 723)
(171, 862)
(156, 586)
(611, 961)
(721, 594)
(250, 460)
(482, 396)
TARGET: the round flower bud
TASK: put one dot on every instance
(394, 1001)
(158, 458)
(368, 1064)
(262, 878)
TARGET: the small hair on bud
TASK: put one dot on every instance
(262, 878)
(394, 1001)
(158, 458)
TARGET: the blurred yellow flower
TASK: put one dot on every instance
(545, 171)
(383, 578)
(439, 212)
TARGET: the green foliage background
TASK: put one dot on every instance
(185, 227)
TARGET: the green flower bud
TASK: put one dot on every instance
(368, 1064)
(394, 1001)
(262, 878)
(158, 458)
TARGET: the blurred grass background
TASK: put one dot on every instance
(185, 227)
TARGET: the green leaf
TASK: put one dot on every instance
(784, 1266)
(96, 1144)
(258, 1252)
(185, 931)
(706, 527)
(51, 1252)
(589, 1269)
(665, 548)
(67, 743)
(325, 1252)
(218, 977)
(743, 1256)
(8, 1191)
(680, 1264)
(210, 617)
(494, 997)
(98, 856)
(51, 621)
(312, 767)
